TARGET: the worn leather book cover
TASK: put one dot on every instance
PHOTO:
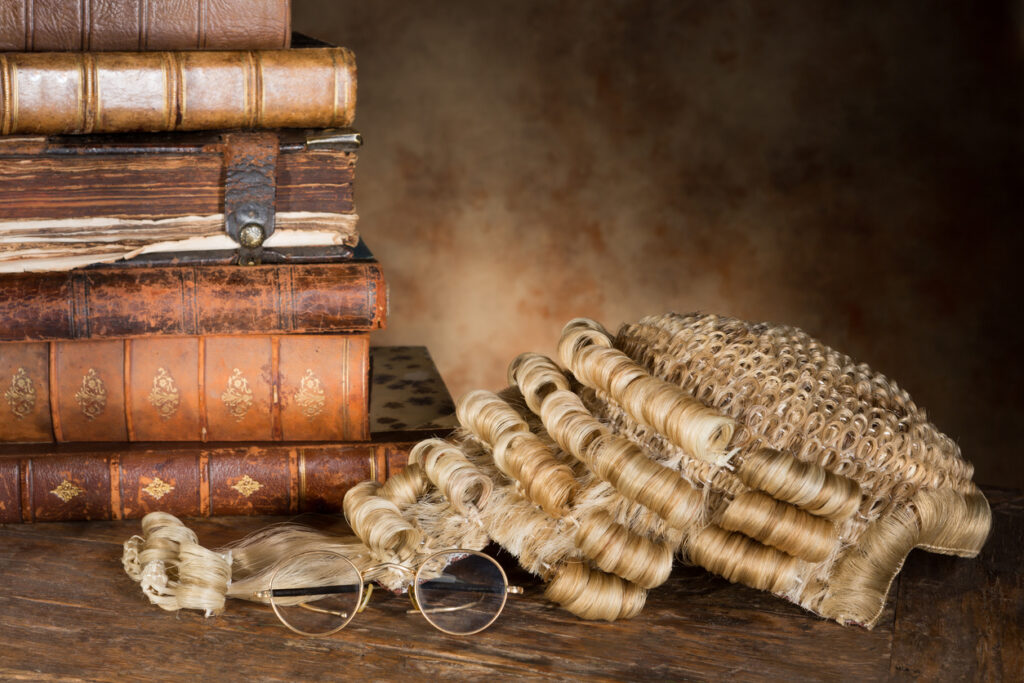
(103, 25)
(40, 483)
(126, 302)
(69, 201)
(215, 388)
(114, 92)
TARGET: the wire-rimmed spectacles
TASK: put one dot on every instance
(318, 592)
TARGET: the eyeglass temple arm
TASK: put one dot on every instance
(319, 610)
(470, 587)
(516, 590)
(350, 588)
(312, 590)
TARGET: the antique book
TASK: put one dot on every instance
(114, 92)
(136, 301)
(209, 388)
(75, 200)
(40, 483)
(104, 25)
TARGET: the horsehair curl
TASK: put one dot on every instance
(806, 485)
(378, 522)
(617, 550)
(465, 486)
(569, 422)
(593, 594)
(546, 481)
(619, 462)
(579, 333)
(488, 416)
(781, 525)
(625, 466)
(536, 376)
(743, 560)
(698, 429)
(407, 486)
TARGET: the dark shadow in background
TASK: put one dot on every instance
(852, 169)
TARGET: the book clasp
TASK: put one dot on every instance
(250, 190)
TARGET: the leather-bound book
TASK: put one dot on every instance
(240, 388)
(74, 200)
(114, 92)
(112, 302)
(118, 481)
(103, 25)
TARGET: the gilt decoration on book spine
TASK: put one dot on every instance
(189, 479)
(244, 388)
(78, 93)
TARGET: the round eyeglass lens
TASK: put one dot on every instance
(461, 592)
(315, 593)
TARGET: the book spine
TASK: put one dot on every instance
(113, 92)
(191, 300)
(104, 25)
(265, 479)
(251, 388)
(70, 184)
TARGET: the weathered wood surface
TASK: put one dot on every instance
(68, 612)
(961, 621)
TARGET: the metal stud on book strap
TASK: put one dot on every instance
(250, 188)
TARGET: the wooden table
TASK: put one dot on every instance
(69, 612)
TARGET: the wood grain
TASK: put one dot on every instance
(68, 610)
(965, 620)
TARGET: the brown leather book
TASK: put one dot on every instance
(250, 388)
(127, 483)
(64, 198)
(112, 92)
(103, 25)
(41, 483)
(127, 302)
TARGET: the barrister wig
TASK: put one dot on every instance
(751, 450)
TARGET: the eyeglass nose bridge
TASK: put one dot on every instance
(368, 585)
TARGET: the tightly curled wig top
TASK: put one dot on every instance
(753, 451)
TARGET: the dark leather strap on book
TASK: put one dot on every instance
(250, 163)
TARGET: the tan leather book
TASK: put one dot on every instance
(104, 25)
(59, 482)
(216, 388)
(112, 92)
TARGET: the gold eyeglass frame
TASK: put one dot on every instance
(363, 597)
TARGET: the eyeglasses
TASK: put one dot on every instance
(317, 593)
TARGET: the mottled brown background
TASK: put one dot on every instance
(850, 168)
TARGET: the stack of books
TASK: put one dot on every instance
(185, 302)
